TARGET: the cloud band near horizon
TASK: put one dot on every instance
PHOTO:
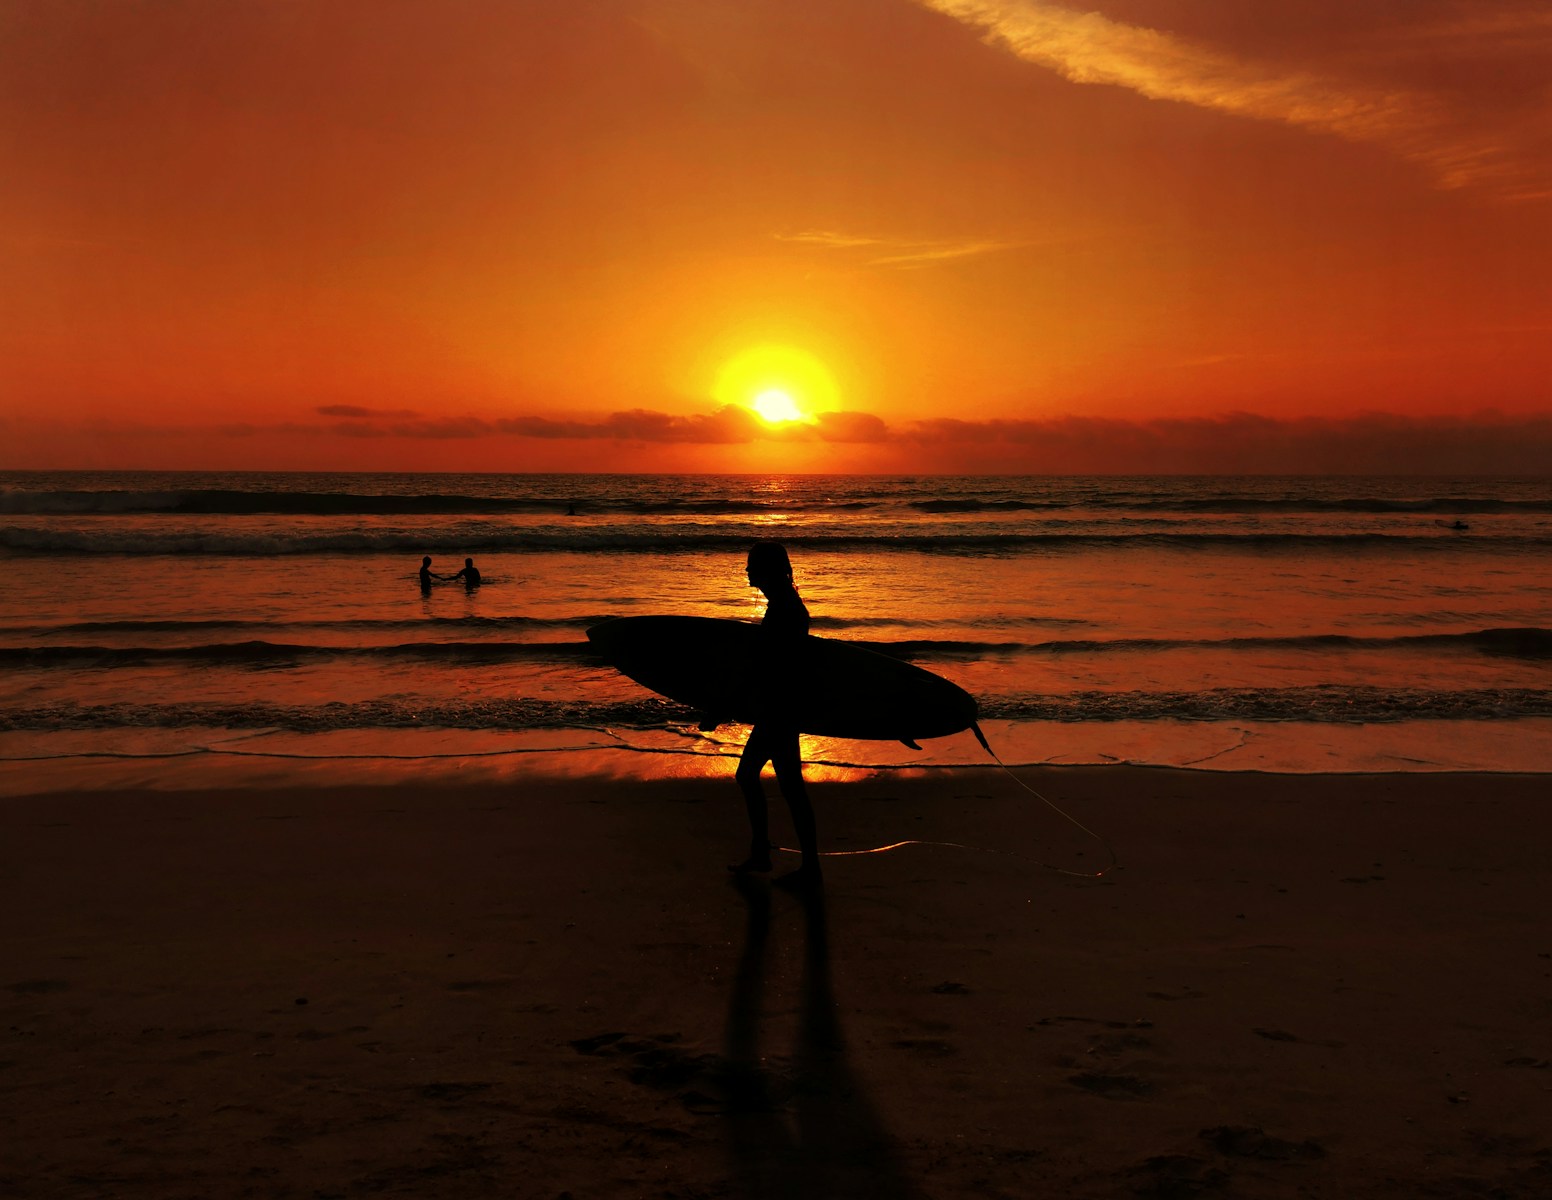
(1487, 442)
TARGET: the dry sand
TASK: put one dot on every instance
(1292, 986)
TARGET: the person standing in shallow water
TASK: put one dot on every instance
(774, 740)
(470, 574)
(426, 574)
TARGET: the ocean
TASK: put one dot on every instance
(172, 628)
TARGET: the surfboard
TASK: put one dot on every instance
(731, 671)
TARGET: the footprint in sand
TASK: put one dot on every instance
(451, 1092)
(1251, 1141)
(704, 1083)
(1174, 1176)
(1282, 1035)
(37, 987)
(930, 1047)
(1112, 1086)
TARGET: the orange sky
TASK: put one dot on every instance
(960, 234)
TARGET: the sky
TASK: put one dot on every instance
(776, 235)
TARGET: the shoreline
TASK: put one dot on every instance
(192, 758)
(1327, 985)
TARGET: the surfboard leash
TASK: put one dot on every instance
(1061, 812)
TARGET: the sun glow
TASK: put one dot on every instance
(781, 383)
(776, 406)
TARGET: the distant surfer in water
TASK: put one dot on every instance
(775, 741)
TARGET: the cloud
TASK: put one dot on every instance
(829, 238)
(1484, 443)
(899, 252)
(356, 410)
(357, 429)
(929, 253)
(1237, 442)
(1089, 48)
(851, 427)
(1479, 31)
(728, 424)
(233, 429)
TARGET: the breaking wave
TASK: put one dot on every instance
(1529, 642)
(853, 498)
(1451, 506)
(1319, 704)
(623, 539)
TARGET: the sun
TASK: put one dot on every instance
(782, 384)
(776, 406)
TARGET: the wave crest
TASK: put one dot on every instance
(652, 540)
(1329, 704)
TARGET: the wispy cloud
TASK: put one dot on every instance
(938, 252)
(1090, 48)
(830, 239)
(1493, 30)
(899, 252)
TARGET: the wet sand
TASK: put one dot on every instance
(1291, 986)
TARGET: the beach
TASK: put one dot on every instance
(1289, 985)
(1101, 451)
(325, 882)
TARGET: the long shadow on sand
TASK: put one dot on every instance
(816, 1134)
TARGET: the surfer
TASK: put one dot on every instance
(470, 575)
(774, 741)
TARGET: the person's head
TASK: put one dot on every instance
(769, 564)
(468, 562)
(426, 562)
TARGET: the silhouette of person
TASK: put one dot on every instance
(774, 739)
(426, 574)
(470, 574)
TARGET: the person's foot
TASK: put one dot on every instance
(752, 865)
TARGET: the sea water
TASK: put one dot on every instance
(158, 627)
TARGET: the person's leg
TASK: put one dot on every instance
(750, 764)
(787, 758)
